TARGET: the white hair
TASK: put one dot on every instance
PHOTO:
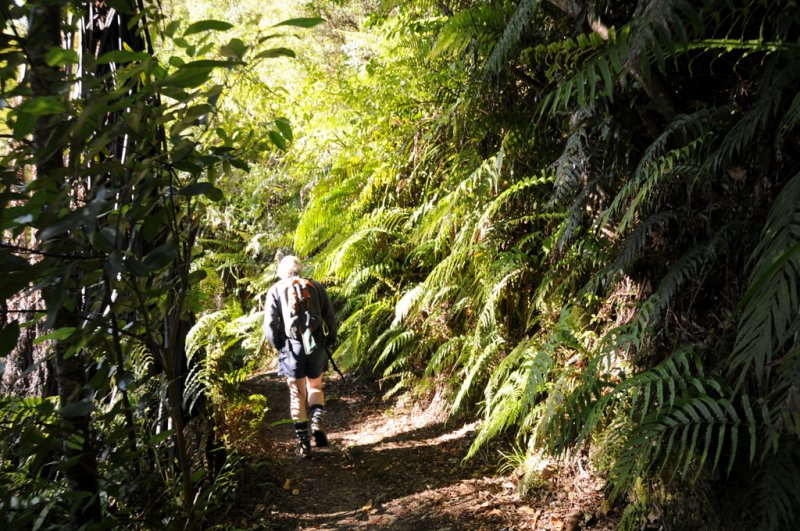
(289, 266)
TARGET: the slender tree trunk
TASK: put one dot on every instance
(80, 457)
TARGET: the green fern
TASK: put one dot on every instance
(509, 42)
(769, 308)
(682, 421)
(479, 25)
(685, 269)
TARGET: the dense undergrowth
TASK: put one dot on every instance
(576, 219)
(581, 219)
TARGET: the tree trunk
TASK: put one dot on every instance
(79, 453)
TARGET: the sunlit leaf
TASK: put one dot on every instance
(285, 127)
(278, 140)
(171, 28)
(60, 57)
(56, 335)
(207, 25)
(276, 52)
(235, 48)
(43, 105)
(302, 22)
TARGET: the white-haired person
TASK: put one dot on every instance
(299, 322)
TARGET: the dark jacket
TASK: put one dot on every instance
(274, 327)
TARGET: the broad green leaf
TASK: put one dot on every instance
(158, 438)
(16, 281)
(9, 335)
(122, 6)
(239, 164)
(285, 127)
(301, 22)
(152, 226)
(59, 57)
(276, 52)
(207, 25)
(56, 335)
(235, 48)
(212, 63)
(24, 123)
(202, 188)
(43, 105)
(171, 28)
(197, 276)
(278, 140)
(188, 77)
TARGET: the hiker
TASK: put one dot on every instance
(299, 322)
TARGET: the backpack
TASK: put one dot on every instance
(302, 315)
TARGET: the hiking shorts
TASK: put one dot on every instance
(294, 363)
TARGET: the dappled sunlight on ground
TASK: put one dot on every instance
(391, 466)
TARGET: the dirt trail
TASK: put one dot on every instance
(390, 467)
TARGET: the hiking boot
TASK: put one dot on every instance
(320, 439)
(304, 449)
(303, 443)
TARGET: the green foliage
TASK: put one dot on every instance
(597, 237)
(118, 159)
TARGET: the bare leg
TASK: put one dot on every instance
(297, 398)
(315, 394)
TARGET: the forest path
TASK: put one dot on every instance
(389, 466)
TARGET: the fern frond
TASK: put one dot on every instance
(631, 250)
(445, 356)
(598, 61)
(478, 24)
(509, 42)
(776, 490)
(203, 332)
(682, 421)
(677, 151)
(572, 166)
(687, 268)
(770, 306)
(659, 32)
(474, 371)
(743, 133)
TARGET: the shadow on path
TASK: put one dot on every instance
(394, 467)
(383, 469)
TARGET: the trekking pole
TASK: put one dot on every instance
(333, 363)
